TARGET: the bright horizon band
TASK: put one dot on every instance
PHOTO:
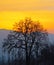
(12, 11)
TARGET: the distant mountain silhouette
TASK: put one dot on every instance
(51, 37)
(4, 33)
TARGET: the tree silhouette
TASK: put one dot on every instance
(28, 36)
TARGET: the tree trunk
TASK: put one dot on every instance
(37, 60)
(27, 60)
(37, 57)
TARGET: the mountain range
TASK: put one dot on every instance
(4, 33)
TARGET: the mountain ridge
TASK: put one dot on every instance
(4, 33)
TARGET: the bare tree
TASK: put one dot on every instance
(29, 36)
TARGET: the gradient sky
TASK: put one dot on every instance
(13, 10)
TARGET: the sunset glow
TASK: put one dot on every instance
(12, 11)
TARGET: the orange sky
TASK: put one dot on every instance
(13, 10)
